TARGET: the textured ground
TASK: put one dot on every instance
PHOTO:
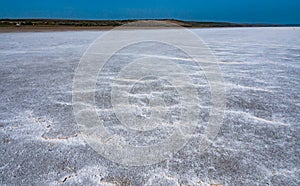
(258, 143)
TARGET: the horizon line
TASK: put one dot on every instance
(158, 19)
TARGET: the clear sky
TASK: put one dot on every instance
(244, 11)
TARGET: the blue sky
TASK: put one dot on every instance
(245, 11)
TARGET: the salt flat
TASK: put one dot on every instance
(258, 142)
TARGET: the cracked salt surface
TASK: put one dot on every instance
(258, 143)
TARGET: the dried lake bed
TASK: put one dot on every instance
(257, 144)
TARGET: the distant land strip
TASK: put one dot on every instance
(64, 24)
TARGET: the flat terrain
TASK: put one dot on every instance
(258, 142)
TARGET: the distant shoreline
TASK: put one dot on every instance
(40, 25)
